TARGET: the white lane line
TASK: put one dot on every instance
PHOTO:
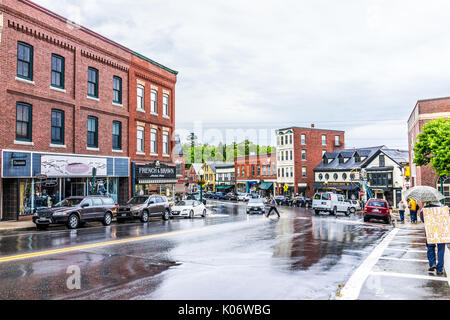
(406, 250)
(403, 260)
(353, 286)
(407, 275)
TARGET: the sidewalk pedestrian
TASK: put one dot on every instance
(401, 211)
(431, 252)
(412, 205)
(273, 207)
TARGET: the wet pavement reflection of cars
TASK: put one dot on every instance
(227, 255)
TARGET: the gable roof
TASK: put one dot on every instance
(197, 167)
(350, 164)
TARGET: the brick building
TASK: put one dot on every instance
(152, 124)
(424, 111)
(256, 173)
(299, 151)
(66, 109)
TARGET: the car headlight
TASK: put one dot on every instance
(136, 208)
(58, 214)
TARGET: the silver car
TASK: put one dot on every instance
(256, 206)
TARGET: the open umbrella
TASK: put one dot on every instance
(424, 194)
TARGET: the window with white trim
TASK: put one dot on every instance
(140, 139)
(154, 101)
(140, 97)
(153, 141)
(165, 142)
(166, 105)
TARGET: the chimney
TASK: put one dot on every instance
(312, 125)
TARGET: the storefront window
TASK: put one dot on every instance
(37, 194)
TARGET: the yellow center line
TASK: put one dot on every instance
(93, 245)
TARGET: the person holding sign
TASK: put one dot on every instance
(431, 247)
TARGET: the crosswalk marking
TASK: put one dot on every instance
(407, 275)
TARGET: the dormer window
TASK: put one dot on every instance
(357, 157)
(325, 160)
(341, 159)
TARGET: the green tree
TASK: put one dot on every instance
(433, 146)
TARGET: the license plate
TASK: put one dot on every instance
(124, 214)
(376, 210)
(44, 220)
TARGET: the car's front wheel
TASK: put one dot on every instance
(166, 215)
(191, 214)
(144, 216)
(73, 221)
(107, 219)
(317, 212)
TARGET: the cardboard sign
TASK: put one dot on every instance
(437, 224)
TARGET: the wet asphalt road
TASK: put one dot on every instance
(227, 255)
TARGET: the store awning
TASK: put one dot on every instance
(266, 185)
(223, 187)
(157, 181)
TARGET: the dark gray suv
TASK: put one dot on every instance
(76, 211)
(144, 207)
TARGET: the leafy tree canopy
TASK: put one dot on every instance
(433, 146)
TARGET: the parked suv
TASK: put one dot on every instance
(76, 211)
(144, 207)
(330, 202)
(378, 209)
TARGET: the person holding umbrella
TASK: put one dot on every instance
(430, 197)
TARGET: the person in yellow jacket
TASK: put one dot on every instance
(412, 204)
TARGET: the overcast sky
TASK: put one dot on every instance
(358, 66)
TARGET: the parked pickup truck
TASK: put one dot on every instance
(144, 207)
(330, 202)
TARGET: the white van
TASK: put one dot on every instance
(330, 202)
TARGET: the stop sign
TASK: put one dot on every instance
(361, 193)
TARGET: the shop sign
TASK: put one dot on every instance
(155, 170)
(63, 166)
(19, 163)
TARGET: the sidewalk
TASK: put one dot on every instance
(24, 223)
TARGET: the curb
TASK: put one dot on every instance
(17, 229)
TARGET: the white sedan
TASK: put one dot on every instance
(189, 209)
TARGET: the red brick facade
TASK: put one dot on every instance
(49, 33)
(246, 168)
(313, 147)
(423, 112)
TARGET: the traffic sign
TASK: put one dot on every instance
(361, 193)
(285, 188)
